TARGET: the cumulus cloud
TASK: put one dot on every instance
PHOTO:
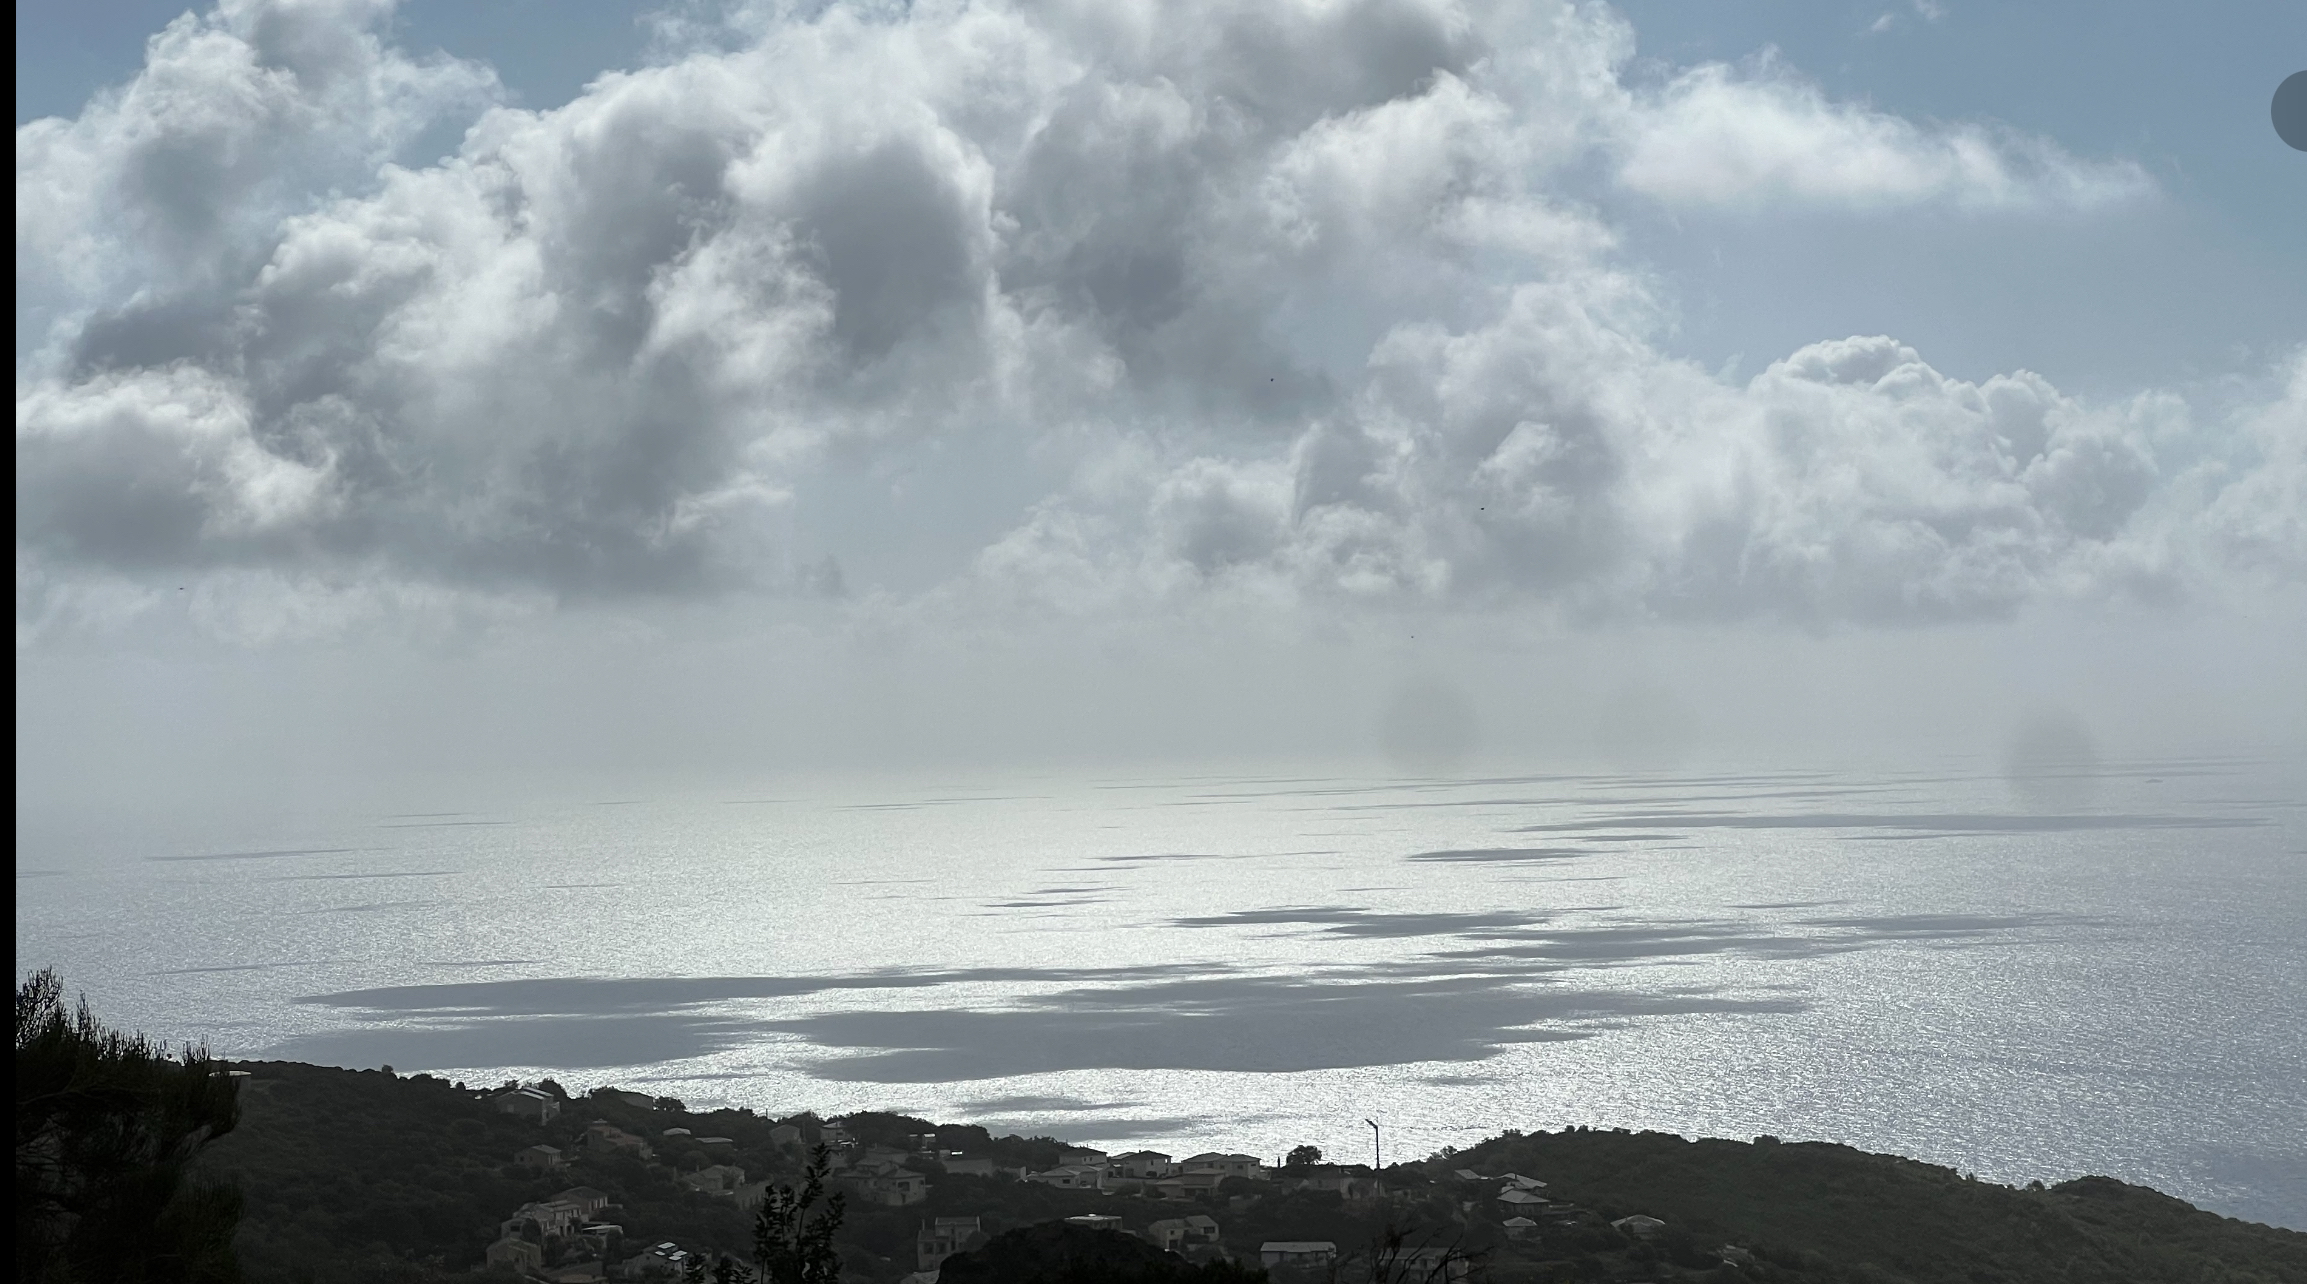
(1303, 299)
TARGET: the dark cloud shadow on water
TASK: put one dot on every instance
(1500, 855)
(1041, 1105)
(1340, 920)
(1241, 1024)
(1918, 825)
(572, 1042)
(1518, 978)
(1098, 1129)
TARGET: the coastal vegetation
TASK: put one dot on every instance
(371, 1176)
(135, 1163)
(108, 1126)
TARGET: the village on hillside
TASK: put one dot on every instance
(574, 1236)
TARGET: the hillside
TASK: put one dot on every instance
(366, 1176)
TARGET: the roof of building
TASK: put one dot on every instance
(1520, 1221)
(1297, 1246)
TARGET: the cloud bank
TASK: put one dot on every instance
(1298, 304)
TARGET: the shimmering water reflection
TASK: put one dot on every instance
(1902, 962)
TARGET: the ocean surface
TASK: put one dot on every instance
(2100, 974)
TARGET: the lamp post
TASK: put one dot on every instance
(1377, 1150)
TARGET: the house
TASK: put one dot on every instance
(1070, 1177)
(546, 1220)
(677, 1132)
(518, 1253)
(1297, 1252)
(1082, 1159)
(964, 1166)
(1095, 1221)
(1177, 1234)
(595, 1238)
(540, 1158)
(1345, 1181)
(666, 1261)
(887, 1184)
(1146, 1164)
(716, 1141)
(1225, 1165)
(609, 1136)
(1520, 1182)
(586, 1199)
(1521, 1201)
(528, 1103)
(1433, 1263)
(718, 1179)
(1185, 1186)
(942, 1238)
(785, 1135)
(750, 1196)
(1640, 1225)
(1468, 1174)
(1520, 1228)
(637, 1100)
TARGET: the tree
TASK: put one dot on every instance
(790, 1244)
(1303, 1156)
(107, 1127)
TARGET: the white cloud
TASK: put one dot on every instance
(1768, 140)
(1302, 298)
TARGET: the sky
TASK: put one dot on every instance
(412, 396)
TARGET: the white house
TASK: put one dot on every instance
(609, 1136)
(1144, 1164)
(715, 1179)
(1345, 1181)
(528, 1103)
(588, 1200)
(517, 1253)
(942, 1238)
(1225, 1165)
(1177, 1234)
(1070, 1177)
(890, 1185)
(1297, 1252)
(551, 1219)
(1186, 1186)
(1430, 1263)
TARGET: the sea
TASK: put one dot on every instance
(2102, 974)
